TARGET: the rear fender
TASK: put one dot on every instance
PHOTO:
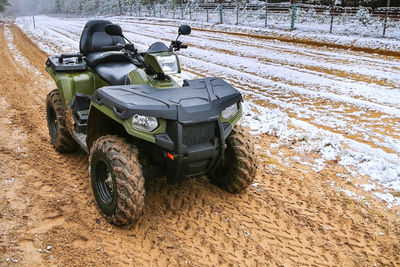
(70, 83)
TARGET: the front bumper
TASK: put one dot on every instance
(196, 148)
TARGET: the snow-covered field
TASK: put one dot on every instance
(342, 104)
(308, 32)
(360, 23)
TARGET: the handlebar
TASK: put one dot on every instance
(177, 45)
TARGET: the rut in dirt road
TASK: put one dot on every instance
(289, 216)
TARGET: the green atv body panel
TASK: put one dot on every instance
(87, 82)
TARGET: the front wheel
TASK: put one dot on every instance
(238, 167)
(117, 180)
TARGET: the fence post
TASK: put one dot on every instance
(34, 24)
(386, 15)
(221, 20)
(266, 13)
(331, 10)
(190, 10)
(237, 12)
(182, 10)
(294, 10)
(207, 9)
(173, 9)
(120, 7)
(131, 8)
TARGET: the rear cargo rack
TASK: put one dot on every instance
(67, 62)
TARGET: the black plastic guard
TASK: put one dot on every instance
(202, 100)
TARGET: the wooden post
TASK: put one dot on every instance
(120, 7)
(331, 11)
(266, 13)
(190, 10)
(293, 17)
(34, 24)
(221, 20)
(386, 15)
(173, 9)
(237, 12)
(207, 10)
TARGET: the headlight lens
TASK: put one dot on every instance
(169, 64)
(230, 111)
(144, 123)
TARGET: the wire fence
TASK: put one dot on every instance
(303, 17)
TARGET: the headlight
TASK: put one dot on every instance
(230, 111)
(144, 123)
(169, 64)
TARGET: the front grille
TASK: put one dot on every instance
(198, 133)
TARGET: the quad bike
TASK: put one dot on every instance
(135, 120)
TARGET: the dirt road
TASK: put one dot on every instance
(291, 216)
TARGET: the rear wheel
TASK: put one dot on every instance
(59, 135)
(117, 180)
(238, 167)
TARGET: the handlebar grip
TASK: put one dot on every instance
(184, 46)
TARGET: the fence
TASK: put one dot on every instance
(303, 17)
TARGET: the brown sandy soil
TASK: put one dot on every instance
(291, 217)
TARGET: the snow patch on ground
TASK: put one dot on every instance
(377, 164)
(388, 198)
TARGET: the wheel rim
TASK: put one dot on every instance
(228, 161)
(53, 123)
(226, 169)
(104, 182)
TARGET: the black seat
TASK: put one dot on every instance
(115, 73)
(96, 58)
(94, 38)
(109, 63)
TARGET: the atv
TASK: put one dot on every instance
(136, 120)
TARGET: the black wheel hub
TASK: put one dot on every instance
(104, 182)
(53, 122)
